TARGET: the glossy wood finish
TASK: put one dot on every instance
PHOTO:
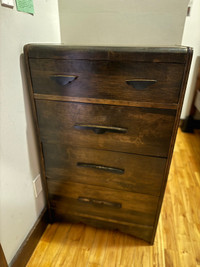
(176, 54)
(177, 241)
(106, 101)
(148, 130)
(108, 79)
(82, 119)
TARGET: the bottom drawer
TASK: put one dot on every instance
(98, 202)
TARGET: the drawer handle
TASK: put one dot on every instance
(63, 79)
(141, 84)
(100, 167)
(100, 202)
(100, 129)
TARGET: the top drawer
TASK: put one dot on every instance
(107, 79)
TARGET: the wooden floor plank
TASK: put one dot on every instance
(72, 244)
(113, 249)
(86, 242)
(127, 258)
(43, 245)
(177, 242)
(99, 247)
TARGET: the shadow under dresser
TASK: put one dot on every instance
(106, 120)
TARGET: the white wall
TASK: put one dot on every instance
(191, 37)
(122, 22)
(18, 155)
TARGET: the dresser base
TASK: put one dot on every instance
(143, 232)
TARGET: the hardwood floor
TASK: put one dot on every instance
(177, 242)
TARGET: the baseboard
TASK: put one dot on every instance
(189, 124)
(25, 251)
(3, 262)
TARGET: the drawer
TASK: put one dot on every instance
(108, 169)
(117, 128)
(95, 201)
(119, 80)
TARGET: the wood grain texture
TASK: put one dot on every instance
(148, 130)
(133, 208)
(143, 232)
(102, 73)
(178, 234)
(176, 54)
(65, 167)
(108, 79)
(106, 101)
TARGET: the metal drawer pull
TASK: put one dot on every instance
(100, 167)
(100, 129)
(63, 79)
(140, 84)
(100, 202)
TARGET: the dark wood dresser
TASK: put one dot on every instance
(107, 119)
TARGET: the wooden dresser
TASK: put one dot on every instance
(107, 119)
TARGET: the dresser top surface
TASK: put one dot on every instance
(176, 54)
